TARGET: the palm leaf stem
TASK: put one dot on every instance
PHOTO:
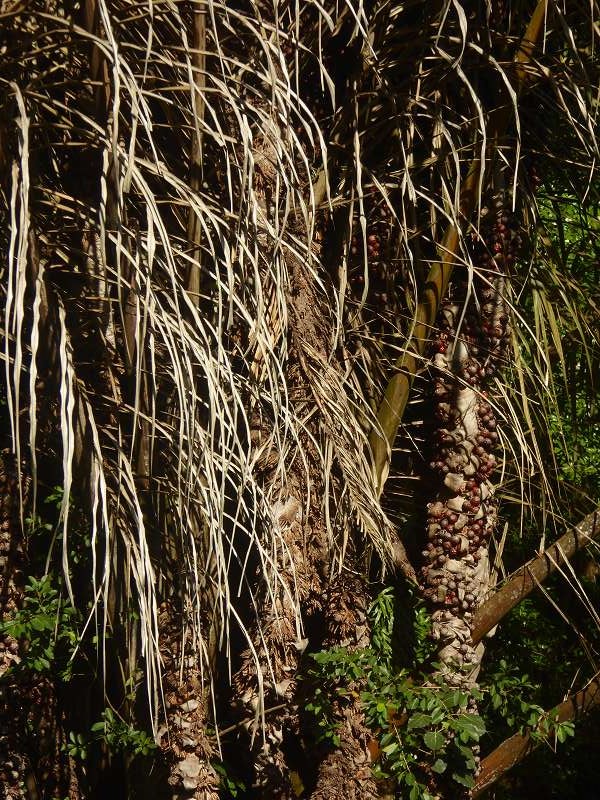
(194, 231)
(513, 750)
(525, 580)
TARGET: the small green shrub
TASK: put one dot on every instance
(507, 696)
(421, 729)
(230, 785)
(121, 736)
(77, 746)
(47, 627)
(545, 727)
(118, 736)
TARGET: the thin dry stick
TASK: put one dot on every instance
(532, 574)
(394, 402)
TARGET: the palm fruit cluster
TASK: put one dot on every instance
(313, 107)
(376, 246)
(499, 12)
(468, 349)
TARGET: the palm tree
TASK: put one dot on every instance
(269, 268)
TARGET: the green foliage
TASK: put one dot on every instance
(121, 736)
(116, 734)
(381, 618)
(321, 708)
(230, 785)
(37, 525)
(47, 627)
(576, 439)
(422, 729)
(419, 728)
(424, 646)
(426, 730)
(507, 696)
(544, 727)
(77, 746)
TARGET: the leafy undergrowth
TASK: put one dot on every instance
(425, 733)
(51, 642)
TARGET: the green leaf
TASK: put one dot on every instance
(98, 726)
(387, 738)
(432, 704)
(469, 726)
(454, 698)
(439, 766)
(419, 721)
(434, 740)
(42, 622)
(564, 730)
(464, 779)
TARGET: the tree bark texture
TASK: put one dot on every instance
(346, 770)
(186, 748)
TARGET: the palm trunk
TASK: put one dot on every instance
(462, 513)
(187, 749)
(346, 770)
(264, 686)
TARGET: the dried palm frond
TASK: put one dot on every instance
(219, 221)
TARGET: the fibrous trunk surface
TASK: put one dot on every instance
(346, 770)
(186, 747)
